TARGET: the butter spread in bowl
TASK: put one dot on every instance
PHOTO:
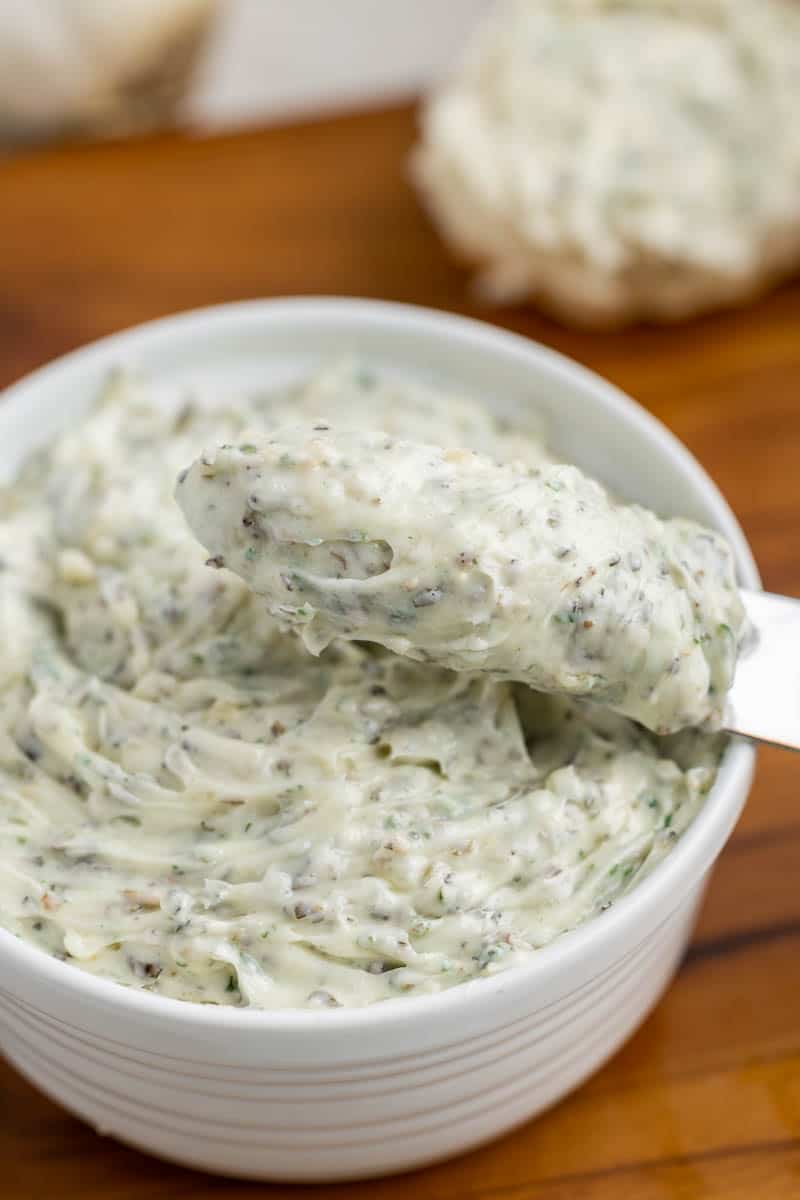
(192, 804)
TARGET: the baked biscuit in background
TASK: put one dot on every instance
(617, 160)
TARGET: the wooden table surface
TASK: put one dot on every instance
(705, 1100)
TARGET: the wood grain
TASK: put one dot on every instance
(705, 1101)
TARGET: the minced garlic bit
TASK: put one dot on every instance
(75, 567)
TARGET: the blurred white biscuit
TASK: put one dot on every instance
(616, 160)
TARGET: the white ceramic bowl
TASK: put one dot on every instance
(337, 1094)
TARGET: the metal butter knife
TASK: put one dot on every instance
(764, 702)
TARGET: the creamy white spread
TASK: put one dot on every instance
(618, 158)
(193, 805)
(528, 573)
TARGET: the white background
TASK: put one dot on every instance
(273, 59)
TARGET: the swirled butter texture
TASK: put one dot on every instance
(193, 805)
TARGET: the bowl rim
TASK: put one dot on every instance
(671, 878)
